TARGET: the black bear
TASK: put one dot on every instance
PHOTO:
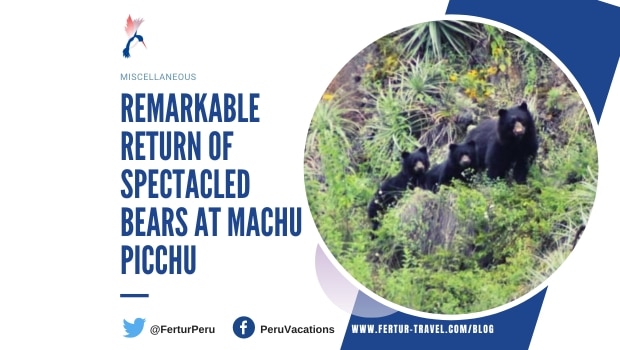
(413, 167)
(460, 158)
(509, 142)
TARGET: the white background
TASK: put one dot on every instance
(60, 140)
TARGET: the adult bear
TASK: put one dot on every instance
(413, 167)
(509, 142)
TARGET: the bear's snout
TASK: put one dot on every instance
(465, 160)
(419, 167)
(518, 129)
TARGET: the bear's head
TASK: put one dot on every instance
(415, 163)
(515, 122)
(463, 154)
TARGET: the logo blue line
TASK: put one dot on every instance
(134, 295)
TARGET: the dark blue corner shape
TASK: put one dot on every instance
(512, 329)
(581, 33)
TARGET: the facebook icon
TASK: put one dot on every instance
(243, 327)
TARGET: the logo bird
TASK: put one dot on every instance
(132, 32)
(135, 328)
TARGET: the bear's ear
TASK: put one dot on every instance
(523, 106)
(452, 146)
(422, 149)
(404, 154)
(502, 113)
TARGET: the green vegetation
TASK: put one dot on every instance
(467, 248)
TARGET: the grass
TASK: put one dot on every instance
(471, 247)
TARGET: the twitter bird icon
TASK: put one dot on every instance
(135, 328)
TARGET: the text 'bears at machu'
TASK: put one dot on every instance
(208, 108)
(250, 221)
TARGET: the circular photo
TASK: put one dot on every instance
(450, 167)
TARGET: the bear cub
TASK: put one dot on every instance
(413, 168)
(509, 142)
(460, 158)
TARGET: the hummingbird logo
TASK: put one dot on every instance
(133, 329)
(131, 28)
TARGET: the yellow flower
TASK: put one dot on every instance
(488, 92)
(471, 93)
(492, 70)
(453, 77)
(473, 73)
(328, 97)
